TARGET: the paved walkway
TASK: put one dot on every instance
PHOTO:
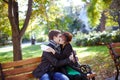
(9, 47)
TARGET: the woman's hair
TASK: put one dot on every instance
(53, 33)
(67, 36)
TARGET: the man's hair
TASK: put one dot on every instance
(53, 33)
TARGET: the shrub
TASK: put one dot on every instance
(97, 38)
(25, 38)
(42, 38)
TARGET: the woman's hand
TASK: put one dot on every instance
(50, 50)
(47, 49)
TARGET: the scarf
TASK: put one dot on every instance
(57, 47)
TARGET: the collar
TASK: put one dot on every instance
(54, 43)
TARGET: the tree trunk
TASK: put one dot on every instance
(13, 17)
(17, 33)
(102, 21)
(17, 48)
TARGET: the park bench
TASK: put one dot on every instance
(22, 70)
(114, 50)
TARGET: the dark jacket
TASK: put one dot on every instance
(49, 63)
(66, 51)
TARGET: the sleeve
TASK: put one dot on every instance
(57, 63)
(66, 52)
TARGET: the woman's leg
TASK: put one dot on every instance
(60, 76)
(45, 77)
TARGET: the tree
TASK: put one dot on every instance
(97, 10)
(115, 11)
(17, 32)
(4, 22)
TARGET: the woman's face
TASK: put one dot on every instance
(62, 40)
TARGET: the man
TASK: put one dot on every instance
(48, 68)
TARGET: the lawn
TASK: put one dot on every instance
(96, 56)
(27, 52)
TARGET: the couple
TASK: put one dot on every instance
(58, 62)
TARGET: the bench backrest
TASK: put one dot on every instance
(19, 70)
(114, 50)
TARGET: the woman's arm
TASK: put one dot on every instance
(47, 49)
(50, 50)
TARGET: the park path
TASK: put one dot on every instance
(10, 47)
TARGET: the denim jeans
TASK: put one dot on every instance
(45, 77)
(60, 76)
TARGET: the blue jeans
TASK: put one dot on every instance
(60, 76)
(45, 77)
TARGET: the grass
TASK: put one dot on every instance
(27, 52)
(96, 56)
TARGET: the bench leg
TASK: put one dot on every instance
(117, 68)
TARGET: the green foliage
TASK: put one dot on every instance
(115, 11)
(42, 38)
(4, 22)
(95, 8)
(25, 38)
(97, 38)
(75, 25)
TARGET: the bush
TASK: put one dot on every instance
(25, 38)
(42, 39)
(97, 38)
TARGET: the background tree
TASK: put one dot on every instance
(4, 23)
(115, 11)
(97, 10)
(17, 32)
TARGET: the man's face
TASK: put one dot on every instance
(57, 38)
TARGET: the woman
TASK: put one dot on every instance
(72, 69)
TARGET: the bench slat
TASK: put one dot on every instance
(20, 77)
(21, 70)
(115, 45)
(20, 62)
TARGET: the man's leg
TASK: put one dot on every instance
(45, 77)
(60, 76)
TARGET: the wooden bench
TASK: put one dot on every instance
(19, 70)
(22, 70)
(114, 50)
